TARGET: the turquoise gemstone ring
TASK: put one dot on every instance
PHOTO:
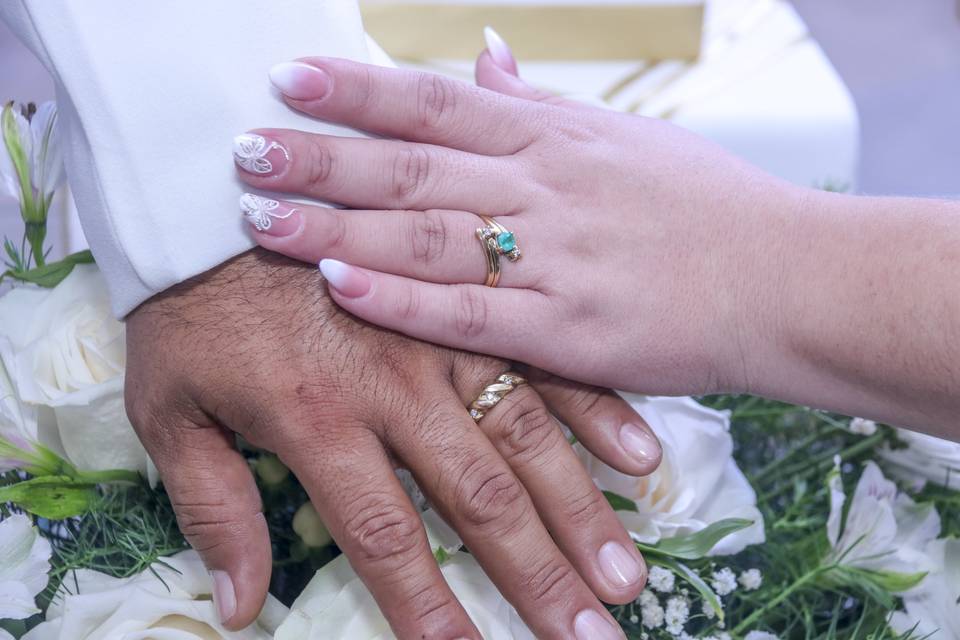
(496, 242)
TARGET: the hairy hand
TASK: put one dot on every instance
(256, 348)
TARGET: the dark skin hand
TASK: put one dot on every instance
(256, 348)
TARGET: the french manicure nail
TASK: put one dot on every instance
(268, 216)
(348, 280)
(223, 594)
(300, 81)
(618, 565)
(640, 444)
(255, 154)
(500, 51)
(590, 625)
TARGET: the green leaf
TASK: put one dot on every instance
(618, 502)
(52, 497)
(696, 545)
(54, 273)
(692, 578)
(892, 582)
(441, 555)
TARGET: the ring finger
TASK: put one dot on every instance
(433, 246)
(378, 174)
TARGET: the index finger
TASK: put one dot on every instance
(410, 105)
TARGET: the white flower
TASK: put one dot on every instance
(652, 614)
(724, 582)
(698, 482)
(676, 615)
(66, 357)
(174, 604)
(863, 427)
(308, 525)
(924, 459)
(751, 579)
(934, 607)
(884, 530)
(40, 141)
(761, 635)
(336, 604)
(661, 579)
(24, 565)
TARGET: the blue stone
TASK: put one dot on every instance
(506, 242)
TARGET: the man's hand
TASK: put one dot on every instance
(255, 348)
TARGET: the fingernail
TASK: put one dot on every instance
(619, 566)
(348, 280)
(300, 81)
(271, 217)
(640, 444)
(590, 625)
(255, 154)
(223, 594)
(499, 51)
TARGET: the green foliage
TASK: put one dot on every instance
(50, 275)
(618, 502)
(53, 497)
(696, 545)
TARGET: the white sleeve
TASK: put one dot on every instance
(151, 95)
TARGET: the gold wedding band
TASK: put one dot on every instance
(496, 241)
(494, 393)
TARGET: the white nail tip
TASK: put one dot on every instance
(260, 211)
(250, 152)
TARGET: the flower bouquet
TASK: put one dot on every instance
(765, 520)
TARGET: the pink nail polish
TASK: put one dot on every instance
(346, 279)
(300, 81)
(258, 155)
(269, 216)
(500, 51)
(224, 595)
(619, 566)
(590, 625)
(640, 444)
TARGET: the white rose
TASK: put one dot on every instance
(24, 567)
(884, 529)
(336, 604)
(66, 358)
(933, 610)
(174, 604)
(698, 482)
(924, 459)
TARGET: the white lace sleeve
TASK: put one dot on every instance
(151, 95)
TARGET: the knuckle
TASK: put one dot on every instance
(490, 498)
(411, 166)
(470, 316)
(436, 100)
(407, 302)
(319, 167)
(380, 529)
(586, 509)
(361, 89)
(550, 582)
(208, 524)
(527, 430)
(428, 237)
(585, 401)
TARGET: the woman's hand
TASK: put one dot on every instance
(640, 242)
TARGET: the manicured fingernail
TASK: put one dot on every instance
(300, 81)
(223, 594)
(346, 279)
(271, 217)
(500, 51)
(620, 567)
(258, 155)
(590, 625)
(640, 444)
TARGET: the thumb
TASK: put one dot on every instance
(496, 70)
(219, 512)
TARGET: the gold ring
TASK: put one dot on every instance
(494, 393)
(496, 241)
